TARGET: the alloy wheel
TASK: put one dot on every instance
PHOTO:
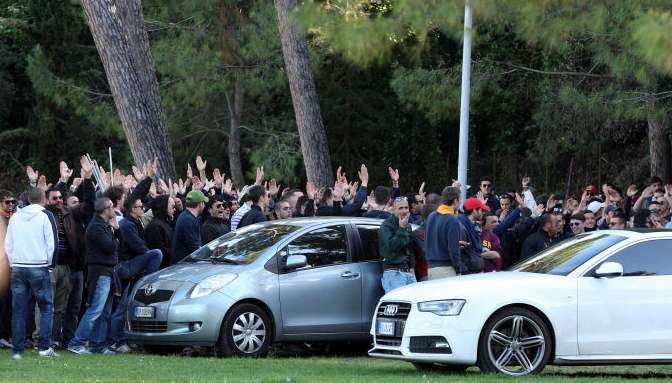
(249, 332)
(516, 345)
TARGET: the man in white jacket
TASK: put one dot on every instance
(30, 244)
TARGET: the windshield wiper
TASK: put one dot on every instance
(216, 260)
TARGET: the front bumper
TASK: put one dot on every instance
(180, 321)
(458, 343)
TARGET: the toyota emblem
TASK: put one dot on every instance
(391, 310)
(150, 289)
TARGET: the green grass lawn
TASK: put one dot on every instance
(150, 368)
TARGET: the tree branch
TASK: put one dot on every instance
(562, 73)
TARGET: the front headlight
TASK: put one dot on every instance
(211, 284)
(443, 308)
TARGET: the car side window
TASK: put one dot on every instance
(322, 247)
(368, 237)
(645, 258)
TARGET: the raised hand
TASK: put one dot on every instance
(152, 190)
(403, 220)
(137, 173)
(182, 186)
(632, 190)
(394, 175)
(42, 183)
(273, 187)
(196, 183)
(118, 178)
(228, 186)
(339, 191)
(260, 175)
(75, 183)
(152, 168)
(65, 172)
(648, 192)
(129, 182)
(218, 178)
(421, 193)
(163, 187)
(519, 200)
(87, 167)
(456, 184)
(668, 190)
(481, 197)
(363, 174)
(190, 173)
(106, 176)
(33, 175)
(311, 190)
(200, 164)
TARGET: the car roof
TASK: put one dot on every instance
(637, 233)
(310, 221)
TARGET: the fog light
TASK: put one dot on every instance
(195, 326)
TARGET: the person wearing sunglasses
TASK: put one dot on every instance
(576, 223)
(487, 191)
(216, 218)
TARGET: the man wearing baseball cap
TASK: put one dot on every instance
(474, 253)
(187, 237)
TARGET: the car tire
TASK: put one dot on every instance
(440, 368)
(514, 341)
(247, 331)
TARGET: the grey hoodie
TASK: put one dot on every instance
(31, 237)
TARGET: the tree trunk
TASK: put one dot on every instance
(312, 133)
(659, 147)
(236, 112)
(118, 31)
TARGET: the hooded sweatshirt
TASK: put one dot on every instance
(31, 237)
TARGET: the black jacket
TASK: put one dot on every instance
(187, 236)
(255, 215)
(74, 221)
(213, 228)
(535, 243)
(101, 244)
(159, 232)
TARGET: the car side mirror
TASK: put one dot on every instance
(609, 270)
(296, 262)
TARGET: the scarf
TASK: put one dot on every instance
(445, 209)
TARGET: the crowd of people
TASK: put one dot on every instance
(76, 247)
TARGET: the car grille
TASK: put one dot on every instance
(403, 309)
(149, 326)
(427, 345)
(156, 297)
(399, 315)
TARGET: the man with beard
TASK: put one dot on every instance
(70, 245)
(216, 218)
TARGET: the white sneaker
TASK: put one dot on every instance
(80, 350)
(5, 343)
(107, 351)
(48, 353)
(17, 357)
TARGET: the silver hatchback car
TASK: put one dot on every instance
(303, 279)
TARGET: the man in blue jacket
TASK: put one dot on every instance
(442, 237)
(187, 235)
(134, 259)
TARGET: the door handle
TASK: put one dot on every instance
(349, 274)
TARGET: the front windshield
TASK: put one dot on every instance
(563, 257)
(243, 246)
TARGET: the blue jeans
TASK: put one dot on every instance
(147, 263)
(393, 279)
(26, 282)
(71, 317)
(94, 324)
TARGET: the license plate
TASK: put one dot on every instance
(144, 312)
(385, 328)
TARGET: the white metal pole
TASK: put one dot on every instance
(109, 150)
(463, 156)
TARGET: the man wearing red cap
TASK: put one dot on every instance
(474, 254)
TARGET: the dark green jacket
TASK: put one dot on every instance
(395, 244)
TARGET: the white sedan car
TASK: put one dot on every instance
(599, 298)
